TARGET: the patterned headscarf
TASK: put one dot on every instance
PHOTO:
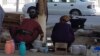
(64, 18)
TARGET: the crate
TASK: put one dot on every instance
(11, 19)
(61, 48)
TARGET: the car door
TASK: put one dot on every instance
(62, 7)
(70, 4)
(56, 7)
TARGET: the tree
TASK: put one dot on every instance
(42, 7)
(17, 5)
(4, 1)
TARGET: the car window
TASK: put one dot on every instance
(54, 1)
(83, 0)
(64, 0)
(70, 1)
(49, 0)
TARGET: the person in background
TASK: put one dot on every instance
(77, 23)
(62, 32)
(29, 29)
(2, 14)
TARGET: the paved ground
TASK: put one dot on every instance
(44, 54)
(36, 54)
(79, 40)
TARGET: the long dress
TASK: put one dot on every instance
(62, 32)
(28, 31)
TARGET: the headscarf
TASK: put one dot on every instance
(64, 18)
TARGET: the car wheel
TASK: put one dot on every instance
(75, 13)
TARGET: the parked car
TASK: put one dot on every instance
(67, 7)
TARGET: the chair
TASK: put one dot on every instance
(61, 46)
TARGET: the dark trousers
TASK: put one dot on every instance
(29, 46)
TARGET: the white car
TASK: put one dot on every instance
(67, 7)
